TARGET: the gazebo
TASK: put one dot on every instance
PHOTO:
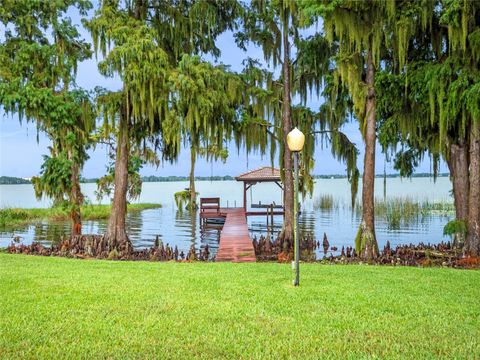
(262, 174)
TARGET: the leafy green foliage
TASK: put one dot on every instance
(455, 227)
(39, 55)
(183, 200)
(436, 100)
(55, 179)
(262, 115)
(206, 100)
(105, 184)
(152, 50)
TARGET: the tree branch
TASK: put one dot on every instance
(269, 132)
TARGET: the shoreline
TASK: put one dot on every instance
(83, 247)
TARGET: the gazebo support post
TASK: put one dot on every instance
(268, 228)
(245, 197)
(271, 217)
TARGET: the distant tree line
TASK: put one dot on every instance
(153, 178)
(390, 176)
(184, 178)
(4, 180)
(11, 180)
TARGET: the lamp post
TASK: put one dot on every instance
(295, 142)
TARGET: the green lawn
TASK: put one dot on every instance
(64, 308)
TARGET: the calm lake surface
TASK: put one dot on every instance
(182, 229)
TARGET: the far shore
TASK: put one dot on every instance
(11, 180)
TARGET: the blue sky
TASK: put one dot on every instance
(21, 153)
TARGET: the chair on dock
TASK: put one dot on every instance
(209, 208)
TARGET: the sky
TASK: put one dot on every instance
(22, 148)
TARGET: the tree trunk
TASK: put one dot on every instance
(366, 242)
(473, 223)
(193, 193)
(76, 198)
(116, 232)
(458, 166)
(288, 196)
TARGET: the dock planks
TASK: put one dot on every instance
(235, 242)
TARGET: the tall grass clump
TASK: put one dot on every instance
(325, 202)
(15, 216)
(398, 211)
(440, 207)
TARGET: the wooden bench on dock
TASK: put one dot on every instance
(210, 209)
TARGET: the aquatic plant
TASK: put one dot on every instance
(16, 216)
(455, 227)
(403, 211)
(325, 202)
(398, 211)
(440, 207)
(8, 215)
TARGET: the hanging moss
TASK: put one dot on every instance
(183, 200)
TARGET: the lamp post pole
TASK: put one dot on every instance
(295, 223)
(295, 142)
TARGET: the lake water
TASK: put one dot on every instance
(182, 229)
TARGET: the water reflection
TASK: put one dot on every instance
(182, 229)
(188, 225)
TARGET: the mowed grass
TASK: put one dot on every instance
(66, 308)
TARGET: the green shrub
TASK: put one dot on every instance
(455, 229)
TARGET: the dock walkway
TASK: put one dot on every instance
(235, 242)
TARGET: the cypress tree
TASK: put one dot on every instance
(143, 43)
(39, 55)
(432, 107)
(366, 35)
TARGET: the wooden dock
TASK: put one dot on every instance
(235, 242)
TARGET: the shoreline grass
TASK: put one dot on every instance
(113, 309)
(402, 211)
(19, 216)
(325, 202)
